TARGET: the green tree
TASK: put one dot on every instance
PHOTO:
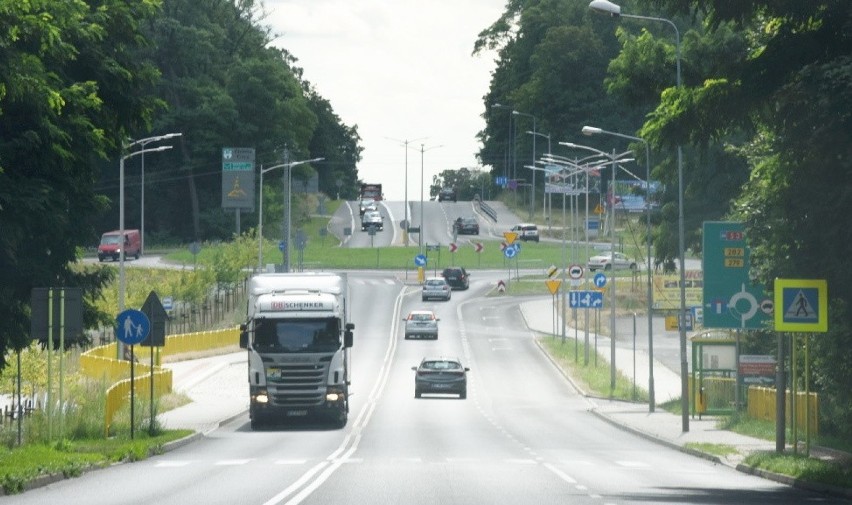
(70, 88)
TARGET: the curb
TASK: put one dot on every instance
(827, 489)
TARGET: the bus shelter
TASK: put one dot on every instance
(714, 372)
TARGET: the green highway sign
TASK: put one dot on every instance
(731, 300)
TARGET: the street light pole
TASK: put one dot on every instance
(544, 183)
(405, 219)
(143, 143)
(532, 191)
(420, 235)
(260, 209)
(591, 130)
(607, 7)
(122, 283)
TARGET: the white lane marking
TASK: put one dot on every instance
(171, 464)
(232, 462)
(559, 473)
(633, 464)
(290, 461)
(317, 475)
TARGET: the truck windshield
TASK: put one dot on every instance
(297, 335)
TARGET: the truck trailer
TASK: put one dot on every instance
(298, 335)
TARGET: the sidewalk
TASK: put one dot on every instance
(218, 388)
(662, 426)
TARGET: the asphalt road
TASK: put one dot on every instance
(523, 435)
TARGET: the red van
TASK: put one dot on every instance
(111, 245)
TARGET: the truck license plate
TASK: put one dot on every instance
(297, 413)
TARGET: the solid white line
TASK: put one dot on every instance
(351, 441)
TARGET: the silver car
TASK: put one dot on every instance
(606, 261)
(372, 218)
(421, 324)
(436, 287)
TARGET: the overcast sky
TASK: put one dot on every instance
(399, 70)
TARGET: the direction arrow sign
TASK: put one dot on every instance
(477, 246)
(600, 280)
(453, 247)
(585, 299)
(420, 260)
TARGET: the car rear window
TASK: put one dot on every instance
(421, 317)
(441, 365)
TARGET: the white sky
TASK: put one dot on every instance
(398, 69)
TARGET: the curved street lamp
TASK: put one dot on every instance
(143, 143)
(607, 7)
(591, 130)
(288, 166)
(532, 174)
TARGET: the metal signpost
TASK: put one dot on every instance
(131, 328)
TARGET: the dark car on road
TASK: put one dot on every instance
(447, 194)
(440, 375)
(456, 277)
(466, 226)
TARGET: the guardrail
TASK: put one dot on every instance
(100, 364)
(486, 209)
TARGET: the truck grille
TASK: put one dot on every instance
(297, 384)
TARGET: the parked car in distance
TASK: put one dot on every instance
(526, 231)
(372, 218)
(367, 204)
(440, 375)
(466, 226)
(605, 261)
(436, 287)
(456, 277)
(447, 194)
(421, 324)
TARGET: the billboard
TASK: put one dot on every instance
(238, 178)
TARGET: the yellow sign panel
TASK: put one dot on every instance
(510, 237)
(598, 209)
(735, 251)
(734, 263)
(671, 323)
(667, 290)
(553, 285)
(552, 270)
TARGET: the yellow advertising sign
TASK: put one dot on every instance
(510, 237)
(667, 290)
(553, 285)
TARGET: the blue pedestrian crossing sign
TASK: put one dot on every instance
(801, 305)
(132, 327)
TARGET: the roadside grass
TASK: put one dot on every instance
(722, 450)
(802, 467)
(595, 377)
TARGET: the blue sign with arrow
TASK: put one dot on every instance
(600, 280)
(585, 299)
(510, 252)
(420, 260)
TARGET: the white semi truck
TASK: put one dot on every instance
(298, 336)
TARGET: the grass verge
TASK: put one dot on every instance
(595, 377)
(802, 467)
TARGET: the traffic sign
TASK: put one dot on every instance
(575, 271)
(510, 236)
(801, 305)
(477, 246)
(551, 271)
(157, 317)
(420, 260)
(453, 247)
(510, 252)
(503, 246)
(168, 303)
(585, 299)
(600, 280)
(553, 285)
(501, 286)
(282, 245)
(132, 326)
(731, 300)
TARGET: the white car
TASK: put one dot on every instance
(436, 287)
(372, 218)
(605, 261)
(421, 323)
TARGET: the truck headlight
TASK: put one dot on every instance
(334, 395)
(261, 397)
